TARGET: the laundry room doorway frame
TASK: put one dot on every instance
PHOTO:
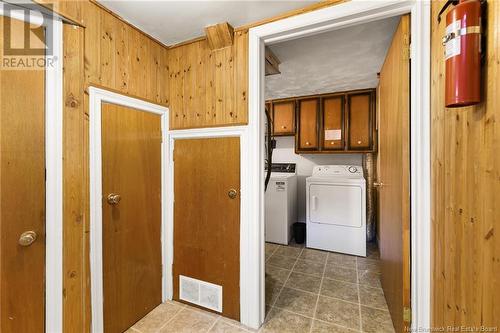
(335, 17)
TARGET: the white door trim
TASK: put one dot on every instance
(245, 202)
(53, 166)
(97, 97)
(54, 184)
(327, 19)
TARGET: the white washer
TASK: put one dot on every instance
(336, 209)
(281, 203)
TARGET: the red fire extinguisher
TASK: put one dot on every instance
(462, 44)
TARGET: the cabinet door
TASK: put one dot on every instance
(332, 134)
(284, 118)
(308, 125)
(360, 122)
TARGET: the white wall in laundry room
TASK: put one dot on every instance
(285, 153)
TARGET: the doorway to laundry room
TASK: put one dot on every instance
(337, 198)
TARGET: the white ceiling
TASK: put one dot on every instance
(339, 60)
(173, 22)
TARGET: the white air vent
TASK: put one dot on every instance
(201, 293)
(189, 290)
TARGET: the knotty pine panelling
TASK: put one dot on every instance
(109, 53)
(208, 88)
(76, 273)
(466, 191)
(117, 55)
(120, 57)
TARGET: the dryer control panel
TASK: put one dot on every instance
(338, 170)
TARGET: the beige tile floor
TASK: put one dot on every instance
(307, 291)
(315, 291)
(175, 317)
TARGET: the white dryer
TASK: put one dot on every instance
(336, 209)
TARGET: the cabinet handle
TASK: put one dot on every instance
(332, 142)
(307, 143)
(359, 142)
(283, 127)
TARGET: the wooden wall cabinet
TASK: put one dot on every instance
(283, 118)
(359, 121)
(308, 125)
(332, 119)
(341, 122)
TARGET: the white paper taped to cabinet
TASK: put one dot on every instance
(333, 134)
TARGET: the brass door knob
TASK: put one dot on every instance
(308, 143)
(114, 199)
(232, 193)
(27, 238)
(378, 184)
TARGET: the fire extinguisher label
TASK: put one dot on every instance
(452, 46)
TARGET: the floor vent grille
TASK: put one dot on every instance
(205, 294)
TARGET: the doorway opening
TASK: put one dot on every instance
(322, 231)
(344, 16)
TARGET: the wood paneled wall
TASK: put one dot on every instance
(109, 53)
(466, 191)
(117, 55)
(76, 272)
(120, 57)
(208, 88)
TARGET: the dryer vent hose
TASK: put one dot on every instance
(371, 205)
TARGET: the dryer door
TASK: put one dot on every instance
(335, 204)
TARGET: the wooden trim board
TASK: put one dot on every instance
(306, 9)
(294, 12)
